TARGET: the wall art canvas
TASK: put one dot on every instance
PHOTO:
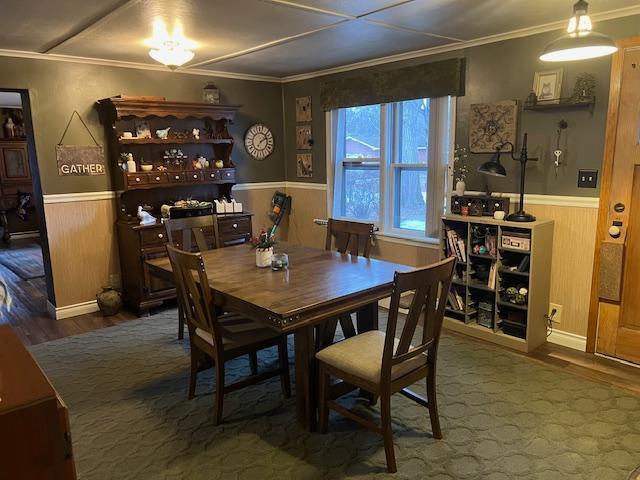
(548, 85)
(303, 109)
(304, 166)
(304, 140)
(491, 125)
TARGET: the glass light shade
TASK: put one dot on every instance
(578, 47)
(172, 57)
(172, 50)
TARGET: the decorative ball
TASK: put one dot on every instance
(511, 291)
(476, 249)
(483, 250)
(523, 291)
(519, 299)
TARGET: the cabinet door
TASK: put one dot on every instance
(15, 163)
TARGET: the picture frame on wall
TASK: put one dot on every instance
(304, 139)
(547, 85)
(492, 125)
(304, 165)
(303, 109)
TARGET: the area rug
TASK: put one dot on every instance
(503, 417)
(25, 262)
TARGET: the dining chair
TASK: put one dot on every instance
(383, 364)
(216, 339)
(180, 233)
(347, 237)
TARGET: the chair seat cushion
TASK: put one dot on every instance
(361, 356)
(238, 331)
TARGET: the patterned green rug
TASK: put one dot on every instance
(503, 417)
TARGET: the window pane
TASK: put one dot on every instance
(361, 193)
(362, 132)
(414, 130)
(411, 195)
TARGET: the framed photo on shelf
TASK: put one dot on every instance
(143, 130)
(548, 85)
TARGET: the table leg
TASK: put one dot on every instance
(367, 319)
(306, 378)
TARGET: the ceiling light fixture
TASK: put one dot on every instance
(172, 50)
(580, 42)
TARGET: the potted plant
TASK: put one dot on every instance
(263, 245)
(460, 169)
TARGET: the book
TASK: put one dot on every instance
(463, 255)
(459, 300)
(491, 282)
(524, 264)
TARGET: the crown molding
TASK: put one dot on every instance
(452, 47)
(138, 66)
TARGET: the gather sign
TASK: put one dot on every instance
(80, 160)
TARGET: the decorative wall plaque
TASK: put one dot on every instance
(303, 109)
(491, 125)
(78, 160)
(304, 165)
(304, 140)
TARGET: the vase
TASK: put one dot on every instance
(109, 301)
(263, 257)
(460, 187)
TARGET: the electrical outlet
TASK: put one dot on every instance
(587, 178)
(558, 315)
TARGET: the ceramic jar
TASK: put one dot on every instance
(460, 188)
(263, 257)
(109, 301)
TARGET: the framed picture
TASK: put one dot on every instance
(304, 165)
(491, 125)
(303, 109)
(304, 140)
(143, 130)
(548, 85)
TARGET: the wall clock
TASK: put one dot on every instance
(259, 141)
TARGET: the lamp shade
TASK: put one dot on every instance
(578, 47)
(493, 167)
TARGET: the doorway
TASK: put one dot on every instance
(25, 271)
(614, 314)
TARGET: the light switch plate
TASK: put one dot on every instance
(587, 178)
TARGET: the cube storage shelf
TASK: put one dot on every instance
(488, 313)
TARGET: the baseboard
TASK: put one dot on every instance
(68, 311)
(21, 235)
(566, 339)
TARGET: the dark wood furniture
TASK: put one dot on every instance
(383, 364)
(218, 338)
(318, 286)
(139, 243)
(35, 438)
(15, 176)
(169, 180)
(346, 237)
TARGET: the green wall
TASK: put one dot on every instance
(58, 88)
(500, 71)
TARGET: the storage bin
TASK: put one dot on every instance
(485, 314)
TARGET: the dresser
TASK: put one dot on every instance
(35, 438)
(139, 243)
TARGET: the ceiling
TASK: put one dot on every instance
(275, 38)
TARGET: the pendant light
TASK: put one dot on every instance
(172, 50)
(580, 42)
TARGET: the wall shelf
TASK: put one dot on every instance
(173, 141)
(563, 104)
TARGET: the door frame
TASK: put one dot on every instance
(617, 63)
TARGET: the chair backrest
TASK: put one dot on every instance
(194, 293)
(180, 232)
(348, 236)
(430, 285)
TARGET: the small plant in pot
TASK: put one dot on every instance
(460, 169)
(263, 245)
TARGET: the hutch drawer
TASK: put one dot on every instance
(176, 177)
(137, 179)
(158, 177)
(228, 174)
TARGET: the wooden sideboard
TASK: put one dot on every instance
(139, 243)
(35, 438)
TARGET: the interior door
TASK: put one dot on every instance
(615, 304)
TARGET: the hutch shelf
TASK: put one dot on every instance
(171, 178)
(482, 303)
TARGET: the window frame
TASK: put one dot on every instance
(439, 158)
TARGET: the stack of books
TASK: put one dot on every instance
(455, 300)
(455, 245)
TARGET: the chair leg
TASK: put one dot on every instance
(323, 411)
(193, 376)
(283, 356)
(432, 403)
(387, 432)
(180, 322)
(219, 396)
(253, 362)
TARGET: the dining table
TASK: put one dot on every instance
(318, 285)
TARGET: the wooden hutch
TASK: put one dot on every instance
(171, 178)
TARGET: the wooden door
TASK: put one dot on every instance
(14, 163)
(615, 301)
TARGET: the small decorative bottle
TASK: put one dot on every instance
(131, 164)
(10, 128)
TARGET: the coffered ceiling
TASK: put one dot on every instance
(277, 38)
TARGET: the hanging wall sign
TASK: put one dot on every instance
(79, 160)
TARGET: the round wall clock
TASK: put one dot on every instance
(259, 141)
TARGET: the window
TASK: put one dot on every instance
(389, 164)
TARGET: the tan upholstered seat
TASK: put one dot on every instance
(238, 331)
(362, 356)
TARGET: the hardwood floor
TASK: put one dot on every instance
(30, 320)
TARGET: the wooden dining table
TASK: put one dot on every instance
(319, 285)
